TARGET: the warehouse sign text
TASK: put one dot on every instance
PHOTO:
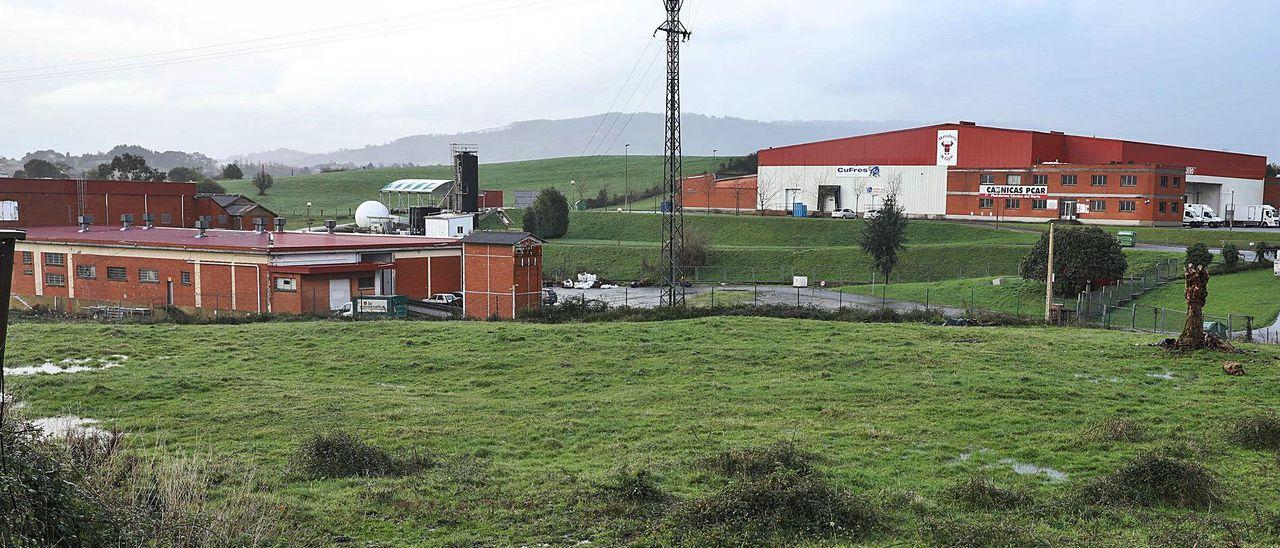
(1014, 191)
(858, 171)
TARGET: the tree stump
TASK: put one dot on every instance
(1192, 337)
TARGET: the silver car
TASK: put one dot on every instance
(844, 214)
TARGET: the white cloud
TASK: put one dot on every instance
(101, 94)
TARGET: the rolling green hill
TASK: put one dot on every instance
(620, 433)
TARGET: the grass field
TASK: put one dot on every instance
(1243, 238)
(531, 424)
(335, 193)
(1013, 296)
(1250, 293)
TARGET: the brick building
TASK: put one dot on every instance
(727, 194)
(246, 272)
(502, 273)
(967, 171)
(58, 202)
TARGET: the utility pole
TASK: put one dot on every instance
(1048, 277)
(673, 175)
(626, 174)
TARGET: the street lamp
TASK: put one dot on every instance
(308, 216)
(626, 174)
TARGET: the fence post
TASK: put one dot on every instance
(1133, 323)
(926, 299)
(1248, 329)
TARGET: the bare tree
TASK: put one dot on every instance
(766, 192)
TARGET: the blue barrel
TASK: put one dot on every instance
(798, 209)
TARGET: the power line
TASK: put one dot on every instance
(596, 151)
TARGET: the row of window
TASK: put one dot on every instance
(1124, 206)
(1070, 180)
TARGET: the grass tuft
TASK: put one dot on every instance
(988, 534)
(1258, 431)
(1116, 430)
(628, 493)
(342, 454)
(1156, 479)
(981, 493)
(782, 456)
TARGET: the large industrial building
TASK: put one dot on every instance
(967, 171)
(60, 202)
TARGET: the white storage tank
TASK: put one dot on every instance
(370, 213)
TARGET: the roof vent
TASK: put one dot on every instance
(259, 225)
(148, 220)
(329, 225)
(967, 123)
(279, 224)
(85, 221)
(202, 225)
(126, 221)
(1056, 133)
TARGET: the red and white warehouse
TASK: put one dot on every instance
(264, 272)
(967, 171)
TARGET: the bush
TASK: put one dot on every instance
(760, 461)
(210, 187)
(1198, 254)
(1114, 430)
(548, 216)
(981, 493)
(342, 454)
(1153, 479)
(1230, 255)
(41, 502)
(628, 494)
(1259, 431)
(989, 534)
(1080, 256)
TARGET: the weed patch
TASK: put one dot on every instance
(981, 493)
(631, 493)
(1155, 479)
(760, 461)
(342, 454)
(1259, 431)
(1116, 430)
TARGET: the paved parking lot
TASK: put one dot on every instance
(649, 297)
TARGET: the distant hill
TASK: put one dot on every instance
(160, 160)
(536, 139)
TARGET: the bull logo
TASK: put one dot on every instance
(947, 143)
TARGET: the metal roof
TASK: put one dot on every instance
(231, 240)
(416, 186)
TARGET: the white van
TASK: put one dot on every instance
(1200, 215)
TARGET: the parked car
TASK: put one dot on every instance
(845, 213)
(345, 312)
(1206, 214)
(549, 296)
(875, 213)
(450, 299)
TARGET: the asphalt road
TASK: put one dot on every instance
(649, 297)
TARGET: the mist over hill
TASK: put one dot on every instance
(536, 139)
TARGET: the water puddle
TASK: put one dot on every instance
(1167, 375)
(1028, 469)
(1094, 379)
(69, 365)
(60, 427)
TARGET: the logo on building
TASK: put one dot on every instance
(858, 171)
(948, 146)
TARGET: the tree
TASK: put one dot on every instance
(1230, 256)
(128, 167)
(884, 236)
(548, 217)
(1273, 170)
(263, 181)
(1198, 254)
(184, 174)
(233, 172)
(1080, 256)
(210, 187)
(41, 169)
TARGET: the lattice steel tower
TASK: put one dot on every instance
(673, 161)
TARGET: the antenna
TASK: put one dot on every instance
(673, 161)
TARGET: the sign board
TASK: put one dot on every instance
(8, 210)
(843, 172)
(1191, 170)
(799, 281)
(948, 146)
(1014, 191)
(371, 306)
(1052, 204)
(1082, 208)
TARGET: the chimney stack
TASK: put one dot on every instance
(279, 224)
(84, 221)
(329, 225)
(148, 220)
(126, 221)
(259, 225)
(202, 225)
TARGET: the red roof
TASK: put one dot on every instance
(232, 240)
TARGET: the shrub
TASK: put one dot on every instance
(1153, 479)
(342, 454)
(1081, 255)
(41, 502)
(548, 216)
(628, 493)
(1116, 430)
(981, 493)
(1230, 255)
(1258, 431)
(1198, 254)
(210, 187)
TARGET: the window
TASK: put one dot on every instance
(222, 219)
(117, 273)
(1164, 181)
(166, 218)
(148, 276)
(185, 278)
(1013, 179)
(1012, 203)
(1173, 207)
(1097, 205)
(459, 229)
(286, 284)
(28, 257)
(364, 283)
(55, 259)
(1164, 207)
(28, 271)
(1040, 180)
(986, 203)
(987, 179)
(87, 272)
(1129, 180)
(1177, 182)
(55, 279)
(1039, 204)
(1068, 180)
(1128, 206)
(1097, 180)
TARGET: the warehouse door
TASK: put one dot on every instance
(339, 293)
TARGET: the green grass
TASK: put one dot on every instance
(1014, 296)
(1250, 293)
(531, 417)
(335, 193)
(1243, 238)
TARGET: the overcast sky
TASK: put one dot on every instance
(1201, 73)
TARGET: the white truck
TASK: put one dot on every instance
(1200, 215)
(1256, 215)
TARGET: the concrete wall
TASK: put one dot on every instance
(923, 189)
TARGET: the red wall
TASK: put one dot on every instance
(490, 198)
(494, 276)
(1271, 193)
(52, 202)
(703, 191)
(962, 186)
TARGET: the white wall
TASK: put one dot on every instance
(923, 191)
(1216, 192)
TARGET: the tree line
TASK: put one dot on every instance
(133, 167)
